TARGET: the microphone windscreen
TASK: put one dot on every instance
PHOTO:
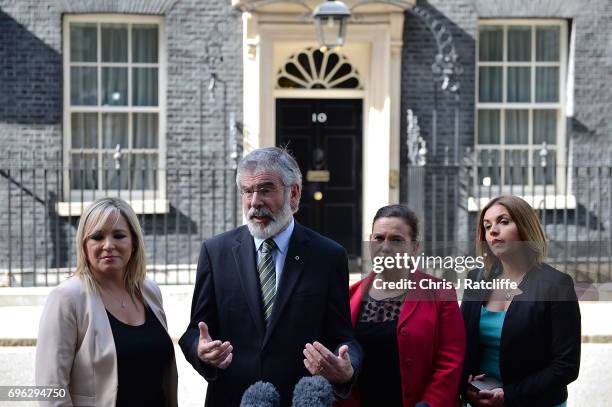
(260, 394)
(314, 391)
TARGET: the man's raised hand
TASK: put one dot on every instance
(321, 361)
(213, 353)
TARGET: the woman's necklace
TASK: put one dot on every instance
(121, 302)
(508, 292)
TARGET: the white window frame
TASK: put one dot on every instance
(531, 191)
(147, 201)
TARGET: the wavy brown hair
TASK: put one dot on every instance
(529, 229)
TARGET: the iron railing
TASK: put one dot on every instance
(38, 222)
(574, 204)
(39, 216)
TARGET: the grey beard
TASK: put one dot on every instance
(281, 219)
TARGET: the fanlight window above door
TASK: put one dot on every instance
(313, 69)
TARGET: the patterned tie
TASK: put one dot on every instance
(267, 276)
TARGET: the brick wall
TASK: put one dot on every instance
(588, 131)
(199, 124)
(199, 121)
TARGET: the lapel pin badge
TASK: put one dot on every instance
(297, 257)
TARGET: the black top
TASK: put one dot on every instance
(143, 355)
(539, 351)
(379, 382)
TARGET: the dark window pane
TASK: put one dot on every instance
(546, 172)
(350, 83)
(142, 171)
(114, 42)
(114, 86)
(83, 42)
(547, 84)
(332, 61)
(517, 126)
(145, 43)
(516, 167)
(115, 130)
(519, 43)
(490, 46)
(284, 82)
(344, 70)
(488, 126)
(115, 178)
(490, 168)
(490, 84)
(519, 84)
(145, 130)
(305, 63)
(83, 172)
(144, 86)
(83, 86)
(545, 126)
(84, 130)
(292, 69)
(547, 43)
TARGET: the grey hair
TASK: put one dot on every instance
(275, 160)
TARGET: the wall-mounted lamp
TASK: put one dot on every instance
(330, 23)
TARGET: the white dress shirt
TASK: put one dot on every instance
(280, 253)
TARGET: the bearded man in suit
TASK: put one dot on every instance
(270, 300)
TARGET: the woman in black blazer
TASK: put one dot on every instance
(527, 336)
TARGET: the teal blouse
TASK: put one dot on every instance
(491, 324)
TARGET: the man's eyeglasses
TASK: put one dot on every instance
(262, 191)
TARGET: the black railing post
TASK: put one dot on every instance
(9, 240)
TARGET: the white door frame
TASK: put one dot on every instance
(381, 35)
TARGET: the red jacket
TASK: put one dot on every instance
(430, 340)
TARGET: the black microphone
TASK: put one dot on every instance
(260, 394)
(422, 404)
(314, 391)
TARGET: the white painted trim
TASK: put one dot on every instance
(520, 21)
(113, 18)
(560, 106)
(397, 32)
(140, 206)
(381, 95)
(319, 93)
(114, 109)
(66, 123)
(162, 93)
(569, 111)
(160, 109)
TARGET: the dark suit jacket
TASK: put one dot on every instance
(311, 304)
(540, 341)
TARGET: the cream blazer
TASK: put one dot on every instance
(76, 349)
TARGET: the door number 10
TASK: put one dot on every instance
(319, 117)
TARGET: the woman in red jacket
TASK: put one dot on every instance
(413, 338)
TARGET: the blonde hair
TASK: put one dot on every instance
(92, 220)
(529, 229)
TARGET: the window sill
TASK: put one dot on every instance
(140, 206)
(537, 201)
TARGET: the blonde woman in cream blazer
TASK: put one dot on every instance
(76, 347)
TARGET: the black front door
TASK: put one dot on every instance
(325, 137)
